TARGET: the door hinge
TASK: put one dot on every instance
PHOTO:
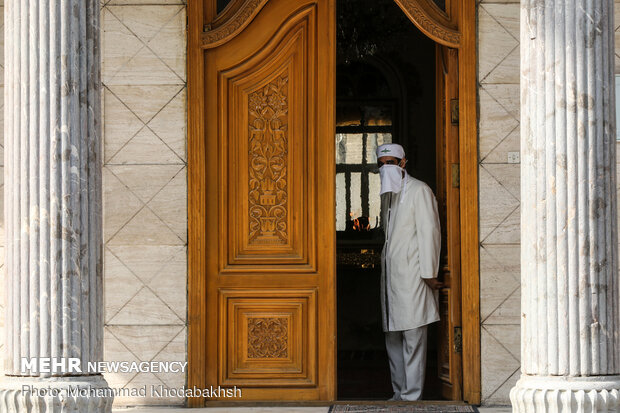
(454, 111)
(456, 175)
(458, 340)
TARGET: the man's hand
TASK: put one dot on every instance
(434, 283)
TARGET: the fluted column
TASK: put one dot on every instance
(570, 325)
(52, 201)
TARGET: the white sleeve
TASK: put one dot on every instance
(428, 231)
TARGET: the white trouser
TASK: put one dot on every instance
(407, 353)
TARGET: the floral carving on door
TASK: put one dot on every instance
(268, 147)
(268, 337)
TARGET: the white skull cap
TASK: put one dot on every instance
(391, 149)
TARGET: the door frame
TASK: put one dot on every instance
(455, 28)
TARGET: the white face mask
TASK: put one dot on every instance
(391, 178)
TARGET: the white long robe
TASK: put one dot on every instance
(411, 253)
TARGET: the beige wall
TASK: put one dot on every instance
(498, 75)
(144, 183)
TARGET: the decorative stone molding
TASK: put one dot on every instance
(566, 394)
(55, 394)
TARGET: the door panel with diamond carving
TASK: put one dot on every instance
(270, 194)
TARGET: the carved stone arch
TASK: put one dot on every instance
(425, 14)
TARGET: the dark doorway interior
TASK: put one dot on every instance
(385, 93)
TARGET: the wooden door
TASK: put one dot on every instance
(448, 176)
(270, 228)
(261, 236)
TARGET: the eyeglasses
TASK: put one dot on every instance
(388, 162)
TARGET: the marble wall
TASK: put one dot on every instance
(145, 189)
(498, 76)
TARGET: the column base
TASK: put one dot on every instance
(541, 394)
(83, 394)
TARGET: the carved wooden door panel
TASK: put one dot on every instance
(450, 339)
(269, 122)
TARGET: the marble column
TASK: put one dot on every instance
(570, 325)
(52, 201)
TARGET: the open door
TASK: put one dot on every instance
(269, 189)
(450, 335)
(261, 196)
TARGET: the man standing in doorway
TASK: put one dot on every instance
(409, 267)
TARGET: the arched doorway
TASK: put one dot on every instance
(260, 177)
